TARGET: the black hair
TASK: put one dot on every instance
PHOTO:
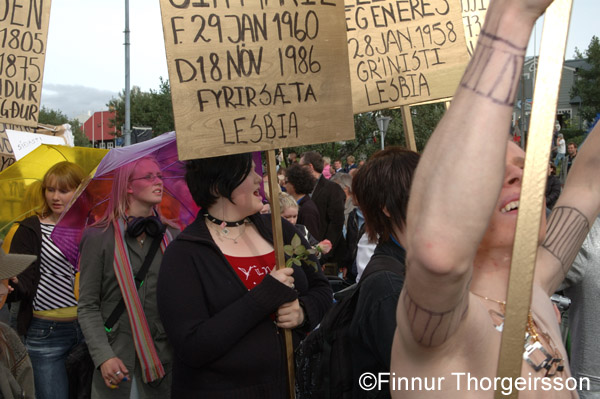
(301, 178)
(211, 178)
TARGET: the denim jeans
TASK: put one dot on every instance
(49, 343)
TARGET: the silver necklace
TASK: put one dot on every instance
(225, 232)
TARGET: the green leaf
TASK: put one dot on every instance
(300, 250)
(288, 263)
(311, 251)
(311, 263)
(296, 241)
(296, 262)
(289, 251)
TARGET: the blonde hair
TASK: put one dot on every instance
(286, 201)
(66, 175)
(326, 160)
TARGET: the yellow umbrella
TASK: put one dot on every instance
(19, 183)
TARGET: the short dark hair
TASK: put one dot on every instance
(315, 159)
(384, 181)
(301, 178)
(572, 143)
(211, 178)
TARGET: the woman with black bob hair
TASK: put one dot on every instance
(219, 296)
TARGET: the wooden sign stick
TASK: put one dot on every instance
(554, 38)
(280, 258)
(409, 132)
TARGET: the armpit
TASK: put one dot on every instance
(567, 228)
(431, 328)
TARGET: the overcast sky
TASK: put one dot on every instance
(85, 53)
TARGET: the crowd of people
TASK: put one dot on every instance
(199, 313)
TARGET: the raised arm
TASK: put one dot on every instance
(572, 216)
(460, 175)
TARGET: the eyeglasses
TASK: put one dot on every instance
(150, 178)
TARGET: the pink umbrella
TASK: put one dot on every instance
(91, 198)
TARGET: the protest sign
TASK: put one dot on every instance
(473, 12)
(253, 76)
(23, 34)
(404, 52)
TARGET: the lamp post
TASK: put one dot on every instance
(127, 130)
(383, 122)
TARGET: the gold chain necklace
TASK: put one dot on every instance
(535, 353)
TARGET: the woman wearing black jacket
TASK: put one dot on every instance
(220, 298)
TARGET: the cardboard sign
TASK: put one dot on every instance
(7, 155)
(23, 143)
(404, 52)
(473, 12)
(257, 75)
(23, 34)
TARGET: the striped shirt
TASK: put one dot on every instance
(57, 276)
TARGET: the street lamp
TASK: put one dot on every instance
(383, 123)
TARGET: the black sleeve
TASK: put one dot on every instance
(318, 298)
(309, 217)
(335, 215)
(25, 242)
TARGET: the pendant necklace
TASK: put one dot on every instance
(535, 353)
(223, 231)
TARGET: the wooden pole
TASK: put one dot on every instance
(280, 258)
(554, 38)
(409, 132)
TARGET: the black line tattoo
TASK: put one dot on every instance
(567, 228)
(494, 70)
(431, 328)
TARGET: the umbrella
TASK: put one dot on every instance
(91, 198)
(19, 183)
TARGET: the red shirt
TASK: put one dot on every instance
(252, 269)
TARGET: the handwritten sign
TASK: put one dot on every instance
(257, 75)
(473, 12)
(7, 155)
(404, 52)
(23, 34)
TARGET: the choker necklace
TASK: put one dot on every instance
(224, 233)
(535, 353)
(223, 223)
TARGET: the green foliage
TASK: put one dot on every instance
(153, 108)
(298, 253)
(587, 84)
(56, 118)
(367, 136)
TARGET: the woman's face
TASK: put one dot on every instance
(290, 214)
(146, 183)
(57, 198)
(247, 196)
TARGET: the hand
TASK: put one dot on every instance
(290, 315)
(113, 372)
(325, 246)
(284, 276)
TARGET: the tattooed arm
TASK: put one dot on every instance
(574, 213)
(457, 183)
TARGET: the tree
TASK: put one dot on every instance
(367, 136)
(153, 108)
(587, 83)
(55, 117)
